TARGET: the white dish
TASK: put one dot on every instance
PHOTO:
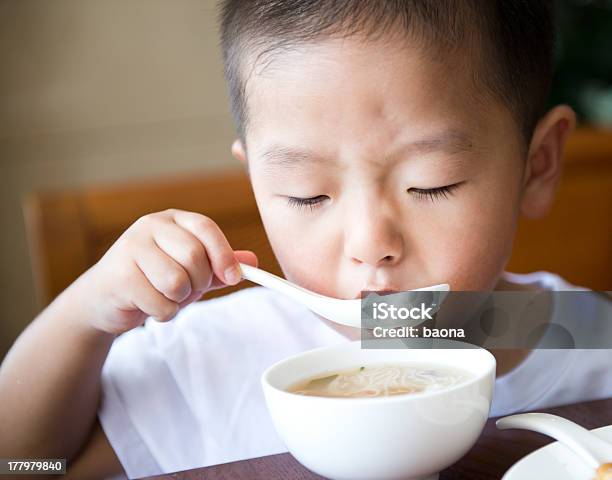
(399, 437)
(555, 461)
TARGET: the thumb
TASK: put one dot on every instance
(242, 256)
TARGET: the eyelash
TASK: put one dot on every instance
(433, 194)
(310, 202)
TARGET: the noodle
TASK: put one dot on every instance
(381, 380)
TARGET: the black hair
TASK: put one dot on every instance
(512, 40)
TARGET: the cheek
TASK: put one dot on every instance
(307, 259)
(477, 240)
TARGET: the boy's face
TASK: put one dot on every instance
(365, 131)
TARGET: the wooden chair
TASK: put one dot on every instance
(68, 231)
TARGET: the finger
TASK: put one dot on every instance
(147, 299)
(185, 249)
(219, 252)
(165, 274)
(246, 256)
(194, 297)
(242, 256)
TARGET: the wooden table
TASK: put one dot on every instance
(494, 453)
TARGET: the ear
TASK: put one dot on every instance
(544, 160)
(239, 153)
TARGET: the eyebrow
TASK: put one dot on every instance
(280, 156)
(452, 141)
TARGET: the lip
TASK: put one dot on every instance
(380, 290)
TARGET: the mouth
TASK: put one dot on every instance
(378, 290)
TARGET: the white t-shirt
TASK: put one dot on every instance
(552, 377)
(187, 394)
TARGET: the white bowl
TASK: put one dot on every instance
(396, 437)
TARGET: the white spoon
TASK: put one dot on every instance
(344, 312)
(592, 449)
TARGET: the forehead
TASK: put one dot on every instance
(354, 96)
(354, 88)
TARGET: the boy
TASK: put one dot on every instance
(390, 145)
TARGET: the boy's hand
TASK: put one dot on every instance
(161, 263)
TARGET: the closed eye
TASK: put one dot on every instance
(310, 202)
(433, 194)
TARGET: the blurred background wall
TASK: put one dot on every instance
(100, 91)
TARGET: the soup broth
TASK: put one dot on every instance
(382, 381)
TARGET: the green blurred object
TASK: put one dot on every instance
(583, 77)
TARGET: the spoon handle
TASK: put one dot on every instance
(274, 282)
(344, 312)
(590, 447)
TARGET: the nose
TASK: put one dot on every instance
(373, 237)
